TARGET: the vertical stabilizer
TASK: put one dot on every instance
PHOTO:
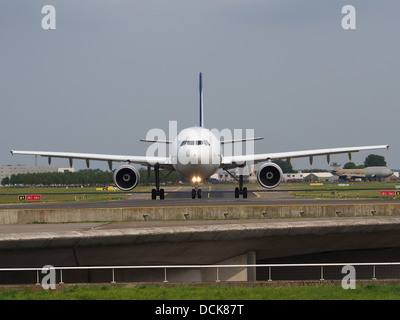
(201, 101)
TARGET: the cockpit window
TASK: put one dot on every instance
(195, 142)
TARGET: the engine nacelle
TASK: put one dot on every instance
(126, 177)
(269, 175)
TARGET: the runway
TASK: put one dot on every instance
(180, 196)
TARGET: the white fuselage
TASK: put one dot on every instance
(196, 153)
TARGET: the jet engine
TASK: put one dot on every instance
(126, 177)
(269, 175)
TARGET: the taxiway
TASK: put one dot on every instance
(212, 196)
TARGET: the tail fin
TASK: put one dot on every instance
(201, 101)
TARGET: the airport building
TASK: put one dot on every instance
(293, 177)
(318, 177)
(287, 177)
(9, 170)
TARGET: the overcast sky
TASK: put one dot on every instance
(114, 69)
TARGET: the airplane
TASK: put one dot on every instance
(197, 154)
(369, 173)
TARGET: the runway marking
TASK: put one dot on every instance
(177, 189)
(257, 194)
(209, 189)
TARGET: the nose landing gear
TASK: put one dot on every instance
(196, 192)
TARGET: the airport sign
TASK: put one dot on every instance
(388, 193)
(30, 197)
(34, 197)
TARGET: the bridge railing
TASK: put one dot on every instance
(320, 270)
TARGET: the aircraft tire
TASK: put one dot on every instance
(244, 193)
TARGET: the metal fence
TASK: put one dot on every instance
(264, 272)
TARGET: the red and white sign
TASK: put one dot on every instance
(33, 197)
(388, 193)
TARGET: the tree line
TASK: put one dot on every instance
(88, 177)
(81, 178)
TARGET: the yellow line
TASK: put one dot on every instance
(209, 189)
(257, 194)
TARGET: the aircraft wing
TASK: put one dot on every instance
(236, 161)
(164, 162)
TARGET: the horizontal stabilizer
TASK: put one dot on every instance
(159, 141)
(241, 140)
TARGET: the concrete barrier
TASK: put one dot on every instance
(200, 243)
(18, 216)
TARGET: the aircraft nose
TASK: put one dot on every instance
(192, 155)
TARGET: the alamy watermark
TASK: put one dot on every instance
(49, 280)
(349, 20)
(49, 20)
(349, 280)
(200, 146)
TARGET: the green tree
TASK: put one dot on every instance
(374, 160)
(82, 177)
(349, 165)
(5, 181)
(285, 166)
(352, 165)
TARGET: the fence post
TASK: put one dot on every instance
(37, 278)
(165, 275)
(269, 274)
(373, 273)
(113, 276)
(61, 280)
(217, 276)
(322, 274)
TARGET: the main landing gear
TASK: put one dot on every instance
(157, 191)
(239, 190)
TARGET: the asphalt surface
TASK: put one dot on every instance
(181, 197)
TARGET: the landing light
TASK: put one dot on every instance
(196, 179)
